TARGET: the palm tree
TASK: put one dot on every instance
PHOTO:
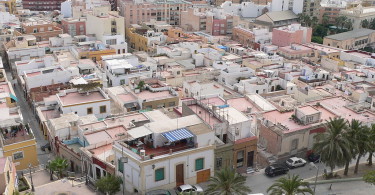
(333, 145)
(371, 139)
(359, 135)
(325, 19)
(353, 127)
(314, 21)
(228, 182)
(59, 165)
(348, 24)
(289, 185)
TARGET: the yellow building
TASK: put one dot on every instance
(137, 41)
(10, 5)
(7, 176)
(20, 145)
(94, 55)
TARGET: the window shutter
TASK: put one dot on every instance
(199, 164)
(159, 174)
(120, 166)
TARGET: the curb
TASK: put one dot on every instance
(336, 180)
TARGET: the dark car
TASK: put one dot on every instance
(47, 146)
(276, 169)
(314, 158)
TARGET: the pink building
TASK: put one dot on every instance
(217, 27)
(73, 26)
(292, 34)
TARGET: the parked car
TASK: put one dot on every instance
(276, 169)
(160, 192)
(189, 188)
(314, 158)
(46, 146)
(295, 162)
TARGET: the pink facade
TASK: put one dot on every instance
(73, 27)
(216, 27)
(285, 36)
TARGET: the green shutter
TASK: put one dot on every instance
(120, 166)
(199, 164)
(159, 174)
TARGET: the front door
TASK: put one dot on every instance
(250, 159)
(203, 176)
(179, 174)
(71, 166)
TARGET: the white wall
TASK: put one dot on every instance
(81, 110)
(66, 9)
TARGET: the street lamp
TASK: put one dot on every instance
(31, 178)
(50, 170)
(317, 172)
(123, 160)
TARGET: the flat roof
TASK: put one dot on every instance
(242, 104)
(308, 110)
(148, 95)
(351, 34)
(77, 98)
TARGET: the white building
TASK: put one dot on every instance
(84, 103)
(188, 158)
(232, 73)
(121, 69)
(245, 9)
(66, 9)
(202, 89)
(282, 5)
(48, 76)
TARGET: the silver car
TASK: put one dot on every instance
(189, 188)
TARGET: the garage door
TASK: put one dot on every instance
(203, 176)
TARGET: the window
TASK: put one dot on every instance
(103, 109)
(159, 174)
(294, 144)
(219, 162)
(122, 82)
(240, 158)
(199, 164)
(98, 173)
(89, 110)
(18, 155)
(309, 119)
(171, 104)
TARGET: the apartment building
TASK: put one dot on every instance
(74, 26)
(42, 29)
(255, 38)
(41, 5)
(107, 26)
(137, 12)
(331, 9)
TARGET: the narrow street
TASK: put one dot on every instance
(29, 117)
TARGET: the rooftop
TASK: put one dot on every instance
(351, 34)
(77, 98)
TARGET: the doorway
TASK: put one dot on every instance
(179, 174)
(250, 159)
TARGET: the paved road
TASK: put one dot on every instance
(259, 182)
(29, 117)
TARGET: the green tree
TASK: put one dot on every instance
(365, 23)
(317, 39)
(314, 22)
(371, 148)
(227, 182)
(354, 127)
(369, 177)
(109, 184)
(359, 137)
(332, 145)
(289, 185)
(325, 19)
(59, 165)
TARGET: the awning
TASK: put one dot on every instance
(178, 134)
(139, 132)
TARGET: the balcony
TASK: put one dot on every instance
(18, 133)
(137, 147)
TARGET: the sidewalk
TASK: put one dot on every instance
(345, 188)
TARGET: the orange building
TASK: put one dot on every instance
(41, 29)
